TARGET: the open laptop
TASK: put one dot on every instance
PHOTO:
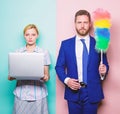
(26, 66)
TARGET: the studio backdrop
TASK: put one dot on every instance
(14, 16)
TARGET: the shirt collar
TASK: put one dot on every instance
(35, 50)
(86, 37)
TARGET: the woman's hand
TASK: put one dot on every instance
(45, 78)
(46, 73)
(11, 78)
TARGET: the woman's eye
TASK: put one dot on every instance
(26, 34)
(33, 34)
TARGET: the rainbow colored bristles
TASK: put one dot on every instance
(102, 24)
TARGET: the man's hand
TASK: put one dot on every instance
(73, 84)
(102, 69)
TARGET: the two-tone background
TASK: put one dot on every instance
(55, 20)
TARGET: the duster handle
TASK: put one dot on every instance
(101, 57)
(101, 62)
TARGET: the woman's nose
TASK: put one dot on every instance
(30, 37)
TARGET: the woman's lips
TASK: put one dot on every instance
(29, 40)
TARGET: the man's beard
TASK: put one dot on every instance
(83, 32)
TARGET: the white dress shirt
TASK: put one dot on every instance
(79, 50)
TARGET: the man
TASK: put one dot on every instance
(81, 74)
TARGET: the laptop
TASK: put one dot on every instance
(26, 66)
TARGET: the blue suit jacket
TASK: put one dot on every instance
(66, 66)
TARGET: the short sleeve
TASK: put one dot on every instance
(46, 58)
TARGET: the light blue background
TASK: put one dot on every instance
(14, 16)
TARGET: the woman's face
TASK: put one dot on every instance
(31, 36)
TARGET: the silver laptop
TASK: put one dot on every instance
(26, 66)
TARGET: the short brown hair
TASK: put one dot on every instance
(30, 26)
(83, 12)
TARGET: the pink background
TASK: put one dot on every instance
(65, 29)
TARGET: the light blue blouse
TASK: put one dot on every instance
(31, 90)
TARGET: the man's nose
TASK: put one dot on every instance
(82, 24)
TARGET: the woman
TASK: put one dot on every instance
(31, 95)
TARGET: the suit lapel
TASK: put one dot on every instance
(73, 52)
(72, 49)
(91, 50)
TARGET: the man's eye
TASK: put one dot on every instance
(86, 22)
(79, 22)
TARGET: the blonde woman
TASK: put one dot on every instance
(30, 95)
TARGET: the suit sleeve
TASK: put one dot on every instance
(60, 64)
(105, 61)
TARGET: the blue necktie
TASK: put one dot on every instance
(84, 61)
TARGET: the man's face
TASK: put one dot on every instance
(82, 25)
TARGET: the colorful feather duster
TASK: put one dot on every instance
(102, 24)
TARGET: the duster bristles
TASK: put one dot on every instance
(102, 24)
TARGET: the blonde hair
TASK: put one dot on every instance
(30, 26)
